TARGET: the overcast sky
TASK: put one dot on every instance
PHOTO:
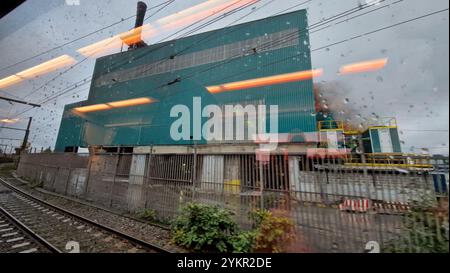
(414, 87)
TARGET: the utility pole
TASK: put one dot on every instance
(27, 133)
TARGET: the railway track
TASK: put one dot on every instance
(49, 228)
(15, 237)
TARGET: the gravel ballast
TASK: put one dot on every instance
(152, 233)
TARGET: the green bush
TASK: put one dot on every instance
(274, 231)
(147, 215)
(206, 228)
(242, 242)
(425, 229)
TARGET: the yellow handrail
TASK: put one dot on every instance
(331, 125)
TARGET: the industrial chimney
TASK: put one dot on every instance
(140, 15)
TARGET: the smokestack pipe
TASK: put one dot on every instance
(140, 16)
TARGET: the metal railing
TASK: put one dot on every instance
(331, 125)
(336, 207)
(391, 160)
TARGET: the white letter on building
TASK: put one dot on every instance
(241, 122)
(197, 118)
(215, 122)
(184, 122)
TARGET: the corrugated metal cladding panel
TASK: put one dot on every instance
(137, 169)
(396, 140)
(267, 47)
(212, 173)
(135, 194)
(379, 141)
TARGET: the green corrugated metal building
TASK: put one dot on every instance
(174, 72)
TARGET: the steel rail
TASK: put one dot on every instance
(29, 232)
(116, 232)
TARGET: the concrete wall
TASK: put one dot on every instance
(331, 186)
(95, 179)
(219, 183)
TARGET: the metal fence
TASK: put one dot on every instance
(336, 207)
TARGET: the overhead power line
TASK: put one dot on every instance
(70, 89)
(84, 59)
(320, 48)
(11, 128)
(12, 139)
(282, 39)
(348, 39)
(19, 101)
(82, 37)
(371, 32)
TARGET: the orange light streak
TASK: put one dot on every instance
(101, 47)
(9, 120)
(132, 102)
(192, 10)
(115, 104)
(368, 66)
(179, 19)
(138, 34)
(188, 18)
(49, 66)
(8, 81)
(105, 46)
(266, 81)
(93, 108)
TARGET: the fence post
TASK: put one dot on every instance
(194, 172)
(114, 181)
(112, 190)
(366, 177)
(68, 176)
(88, 176)
(147, 180)
(261, 184)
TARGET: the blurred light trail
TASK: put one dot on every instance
(114, 43)
(116, 104)
(100, 48)
(207, 5)
(266, 81)
(10, 121)
(47, 67)
(92, 108)
(137, 35)
(131, 102)
(8, 81)
(200, 12)
(368, 66)
(147, 31)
